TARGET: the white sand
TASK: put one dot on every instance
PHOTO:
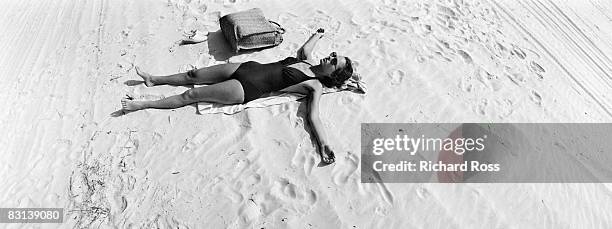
(64, 64)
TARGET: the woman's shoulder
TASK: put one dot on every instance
(289, 60)
(292, 60)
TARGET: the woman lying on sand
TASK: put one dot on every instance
(235, 83)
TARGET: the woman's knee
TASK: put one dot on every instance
(227, 92)
(190, 96)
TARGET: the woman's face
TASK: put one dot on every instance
(332, 62)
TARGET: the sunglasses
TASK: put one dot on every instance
(334, 60)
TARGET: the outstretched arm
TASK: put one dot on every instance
(316, 89)
(305, 52)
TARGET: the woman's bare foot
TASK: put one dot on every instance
(146, 77)
(131, 105)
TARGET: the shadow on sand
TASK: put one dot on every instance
(221, 50)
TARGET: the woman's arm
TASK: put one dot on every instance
(305, 52)
(316, 89)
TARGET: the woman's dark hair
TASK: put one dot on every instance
(339, 76)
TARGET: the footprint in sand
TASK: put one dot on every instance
(423, 30)
(491, 81)
(157, 137)
(120, 204)
(518, 52)
(422, 193)
(540, 76)
(466, 85)
(322, 16)
(482, 106)
(515, 75)
(560, 145)
(381, 211)
(443, 57)
(444, 45)
(496, 84)
(504, 108)
(537, 69)
(240, 167)
(465, 56)
(385, 192)
(335, 27)
(253, 180)
(225, 191)
(536, 98)
(345, 169)
(305, 159)
(369, 29)
(516, 78)
(501, 48)
(192, 144)
(172, 48)
(233, 195)
(129, 183)
(396, 77)
(421, 58)
(289, 190)
(249, 211)
(285, 189)
(188, 147)
(446, 11)
(309, 164)
(310, 197)
(78, 185)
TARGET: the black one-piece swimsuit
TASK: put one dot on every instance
(258, 79)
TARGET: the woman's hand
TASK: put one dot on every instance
(327, 154)
(319, 33)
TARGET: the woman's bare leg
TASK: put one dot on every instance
(208, 75)
(226, 92)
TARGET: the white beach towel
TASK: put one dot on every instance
(354, 84)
